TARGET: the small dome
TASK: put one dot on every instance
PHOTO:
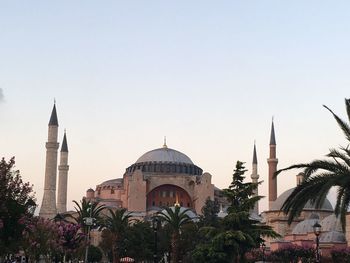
(90, 190)
(331, 223)
(277, 205)
(333, 237)
(306, 226)
(113, 182)
(164, 155)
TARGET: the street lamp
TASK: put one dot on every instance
(317, 231)
(155, 230)
(263, 246)
(88, 221)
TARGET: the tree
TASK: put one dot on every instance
(241, 232)
(16, 206)
(95, 254)
(41, 238)
(140, 241)
(237, 233)
(47, 238)
(116, 225)
(71, 238)
(321, 175)
(87, 209)
(210, 212)
(175, 219)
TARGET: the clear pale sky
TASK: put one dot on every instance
(207, 74)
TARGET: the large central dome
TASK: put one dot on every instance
(165, 161)
(164, 154)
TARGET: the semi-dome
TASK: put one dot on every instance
(331, 223)
(164, 154)
(306, 226)
(112, 182)
(333, 237)
(277, 204)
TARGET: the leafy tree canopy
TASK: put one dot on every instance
(16, 205)
(237, 233)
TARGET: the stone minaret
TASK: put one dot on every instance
(255, 178)
(272, 162)
(62, 177)
(300, 178)
(48, 205)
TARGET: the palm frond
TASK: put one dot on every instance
(336, 154)
(347, 105)
(309, 190)
(343, 125)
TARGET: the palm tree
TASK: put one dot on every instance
(321, 175)
(175, 219)
(116, 224)
(87, 209)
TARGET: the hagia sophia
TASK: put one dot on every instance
(165, 177)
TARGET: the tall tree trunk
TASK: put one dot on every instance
(115, 256)
(175, 247)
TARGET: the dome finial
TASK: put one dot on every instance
(164, 145)
(177, 200)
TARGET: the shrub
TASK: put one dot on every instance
(341, 255)
(293, 254)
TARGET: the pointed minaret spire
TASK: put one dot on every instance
(164, 145)
(255, 178)
(255, 159)
(48, 205)
(272, 136)
(64, 147)
(272, 162)
(53, 119)
(63, 177)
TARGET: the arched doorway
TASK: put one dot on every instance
(168, 195)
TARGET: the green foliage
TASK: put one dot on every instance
(16, 206)
(321, 175)
(188, 241)
(293, 254)
(140, 241)
(88, 209)
(48, 238)
(116, 225)
(341, 255)
(240, 194)
(94, 254)
(210, 212)
(175, 220)
(237, 232)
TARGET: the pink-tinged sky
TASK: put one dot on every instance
(207, 75)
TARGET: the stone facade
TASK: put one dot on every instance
(162, 177)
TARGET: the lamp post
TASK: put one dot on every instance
(263, 246)
(89, 221)
(155, 230)
(317, 231)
